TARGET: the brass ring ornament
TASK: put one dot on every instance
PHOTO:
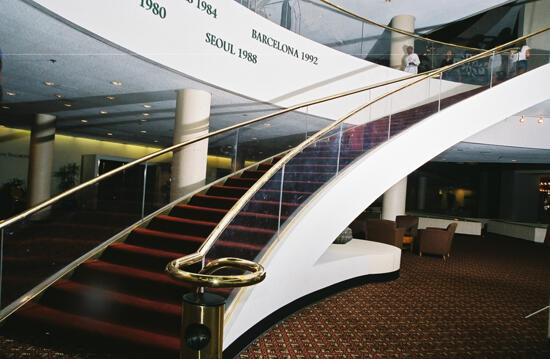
(205, 277)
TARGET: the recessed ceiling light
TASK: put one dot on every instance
(58, 95)
(147, 106)
(267, 124)
(254, 138)
(540, 120)
(83, 121)
(522, 119)
(103, 112)
(5, 107)
(155, 141)
(48, 83)
(145, 114)
(10, 93)
(143, 131)
(142, 120)
(109, 134)
(514, 160)
(110, 98)
(116, 83)
(67, 105)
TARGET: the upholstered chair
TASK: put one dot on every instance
(437, 240)
(410, 223)
(384, 231)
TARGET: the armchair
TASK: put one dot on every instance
(437, 240)
(410, 223)
(384, 231)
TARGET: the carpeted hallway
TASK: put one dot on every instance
(471, 307)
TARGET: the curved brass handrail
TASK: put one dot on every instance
(205, 277)
(239, 205)
(402, 32)
(93, 253)
(150, 156)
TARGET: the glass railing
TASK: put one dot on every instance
(43, 243)
(294, 180)
(327, 23)
(48, 241)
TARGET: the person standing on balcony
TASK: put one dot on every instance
(520, 59)
(411, 61)
(453, 74)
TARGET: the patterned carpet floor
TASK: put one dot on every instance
(473, 306)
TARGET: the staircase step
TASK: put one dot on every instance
(142, 283)
(215, 215)
(139, 257)
(254, 206)
(114, 307)
(172, 242)
(240, 182)
(79, 327)
(252, 174)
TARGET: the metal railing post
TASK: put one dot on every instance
(143, 194)
(491, 69)
(339, 148)
(234, 164)
(202, 326)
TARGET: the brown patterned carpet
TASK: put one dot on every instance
(471, 307)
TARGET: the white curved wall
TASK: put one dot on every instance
(293, 269)
(181, 41)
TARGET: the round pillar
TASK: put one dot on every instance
(394, 200)
(189, 163)
(39, 177)
(399, 42)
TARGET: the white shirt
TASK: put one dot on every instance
(523, 53)
(412, 58)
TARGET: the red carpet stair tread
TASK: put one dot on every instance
(126, 297)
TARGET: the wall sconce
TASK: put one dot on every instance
(540, 120)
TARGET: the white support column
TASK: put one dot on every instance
(535, 16)
(192, 120)
(394, 200)
(399, 42)
(39, 177)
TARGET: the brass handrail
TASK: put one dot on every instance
(45, 284)
(205, 277)
(239, 205)
(150, 156)
(402, 32)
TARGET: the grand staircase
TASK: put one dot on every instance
(124, 302)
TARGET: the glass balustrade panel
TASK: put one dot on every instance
(45, 242)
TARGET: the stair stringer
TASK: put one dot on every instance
(292, 264)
